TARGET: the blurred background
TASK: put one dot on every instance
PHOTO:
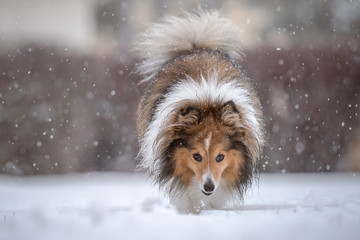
(68, 96)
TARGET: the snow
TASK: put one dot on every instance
(127, 206)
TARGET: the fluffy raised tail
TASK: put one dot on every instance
(174, 35)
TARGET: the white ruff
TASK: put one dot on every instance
(198, 92)
(191, 199)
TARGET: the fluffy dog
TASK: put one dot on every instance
(200, 121)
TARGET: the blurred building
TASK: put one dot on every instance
(89, 24)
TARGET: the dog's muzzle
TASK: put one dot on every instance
(209, 188)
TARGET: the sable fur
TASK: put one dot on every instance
(195, 88)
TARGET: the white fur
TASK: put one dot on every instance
(207, 89)
(207, 142)
(191, 199)
(164, 40)
(207, 176)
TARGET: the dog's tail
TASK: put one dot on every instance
(174, 35)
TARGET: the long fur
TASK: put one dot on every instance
(190, 65)
(166, 39)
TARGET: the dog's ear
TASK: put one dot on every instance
(230, 116)
(188, 116)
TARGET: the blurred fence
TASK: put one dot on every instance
(62, 112)
(310, 95)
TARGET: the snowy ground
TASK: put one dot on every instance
(123, 206)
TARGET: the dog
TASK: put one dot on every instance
(200, 121)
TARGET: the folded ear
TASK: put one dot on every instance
(230, 116)
(188, 116)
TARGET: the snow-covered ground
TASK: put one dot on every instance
(124, 206)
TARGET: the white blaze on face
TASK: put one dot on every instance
(208, 177)
(208, 185)
(207, 142)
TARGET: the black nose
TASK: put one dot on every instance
(209, 187)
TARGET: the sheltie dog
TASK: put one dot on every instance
(200, 121)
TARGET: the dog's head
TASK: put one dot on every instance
(210, 144)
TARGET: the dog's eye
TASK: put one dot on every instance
(197, 157)
(220, 157)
